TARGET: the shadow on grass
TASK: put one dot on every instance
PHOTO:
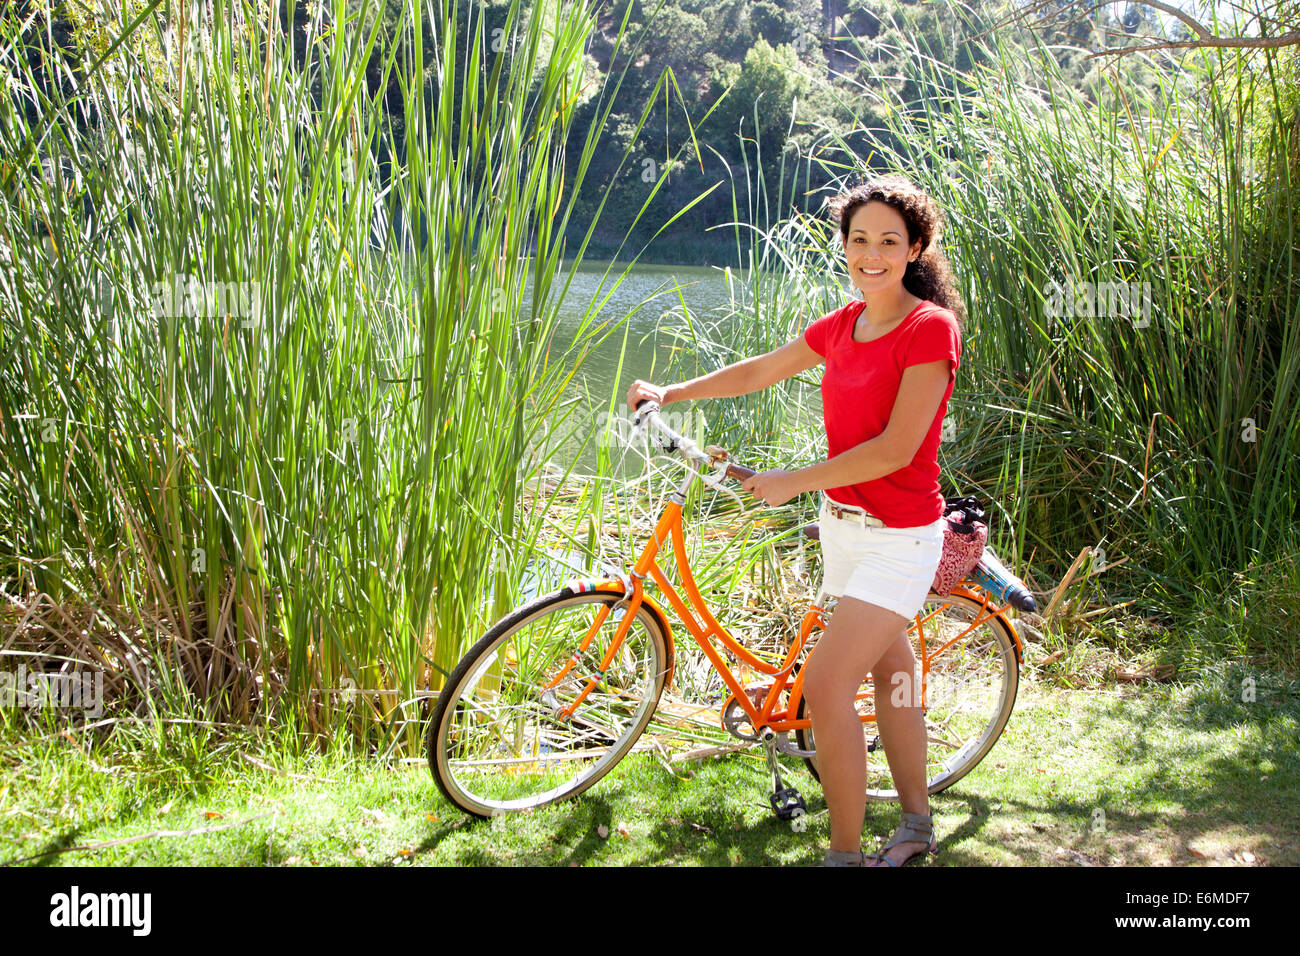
(1171, 775)
(1165, 775)
(50, 853)
(575, 838)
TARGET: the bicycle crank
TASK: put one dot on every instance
(787, 802)
(784, 745)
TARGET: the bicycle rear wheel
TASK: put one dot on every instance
(502, 737)
(970, 690)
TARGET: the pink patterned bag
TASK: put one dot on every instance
(963, 543)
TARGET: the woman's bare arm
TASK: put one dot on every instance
(919, 395)
(740, 378)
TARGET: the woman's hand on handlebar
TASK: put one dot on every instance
(640, 391)
(775, 486)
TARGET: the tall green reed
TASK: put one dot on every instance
(1158, 429)
(276, 386)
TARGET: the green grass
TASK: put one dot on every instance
(1154, 775)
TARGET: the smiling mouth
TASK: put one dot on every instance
(872, 272)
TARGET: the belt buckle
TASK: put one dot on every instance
(860, 517)
(845, 514)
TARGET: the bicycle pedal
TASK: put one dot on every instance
(788, 803)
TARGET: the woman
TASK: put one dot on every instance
(891, 361)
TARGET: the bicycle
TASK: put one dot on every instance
(549, 700)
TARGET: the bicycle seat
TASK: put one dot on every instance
(813, 531)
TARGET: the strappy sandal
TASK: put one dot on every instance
(845, 858)
(916, 827)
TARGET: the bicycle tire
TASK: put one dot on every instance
(989, 649)
(485, 774)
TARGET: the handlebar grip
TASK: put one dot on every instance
(639, 404)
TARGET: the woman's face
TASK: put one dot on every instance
(876, 249)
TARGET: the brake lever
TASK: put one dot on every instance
(640, 423)
(715, 482)
(663, 444)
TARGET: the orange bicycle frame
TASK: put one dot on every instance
(708, 627)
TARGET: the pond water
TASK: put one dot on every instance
(652, 298)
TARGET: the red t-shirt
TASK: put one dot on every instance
(859, 387)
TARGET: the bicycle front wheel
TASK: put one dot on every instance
(539, 710)
(972, 674)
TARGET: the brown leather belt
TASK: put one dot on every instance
(851, 513)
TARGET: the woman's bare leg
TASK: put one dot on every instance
(901, 723)
(854, 641)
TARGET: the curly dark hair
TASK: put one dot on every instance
(929, 276)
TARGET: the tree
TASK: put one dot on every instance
(1277, 25)
(767, 84)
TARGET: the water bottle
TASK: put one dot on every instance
(993, 576)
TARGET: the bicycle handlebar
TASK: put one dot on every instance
(687, 447)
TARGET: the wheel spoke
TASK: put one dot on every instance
(502, 741)
(969, 691)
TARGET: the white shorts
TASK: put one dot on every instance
(892, 568)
